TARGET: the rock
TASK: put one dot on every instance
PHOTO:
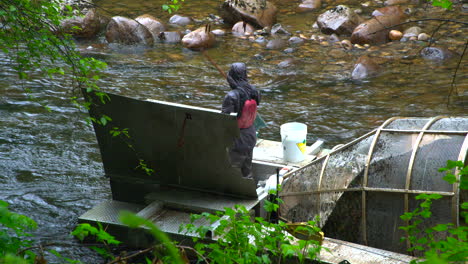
(395, 35)
(337, 53)
(287, 63)
(180, 20)
(152, 24)
(412, 32)
(170, 37)
(259, 13)
(289, 50)
(260, 39)
(276, 44)
(242, 28)
(365, 67)
(89, 25)
(395, 2)
(309, 5)
(390, 11)
(340, 20)
(464, 8)
(423, 37)
(333, 38)
(296, 40)
(199, 39)
(218, 32)
(127, 31)
(437, 53)
(346, 44)
(278, 29)
(375, 30)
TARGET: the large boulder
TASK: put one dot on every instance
(128, 31)
(259, 13)
(199, 39)
(152, 24)
(375, 30)
(340, 20)
(84, 27)
(365, 67)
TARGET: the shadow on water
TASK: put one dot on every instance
(50, 167)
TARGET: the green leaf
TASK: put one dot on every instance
(464, 206)
(103, 121)
(447, 4)
(440, 227)
(450, 178)
(426, 214)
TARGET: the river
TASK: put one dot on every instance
(50, 166)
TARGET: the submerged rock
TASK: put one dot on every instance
(287, 63)
(128, 31)
(259, 13)
(309, 5)
(365, 67)
(340, 20)
(296, 40)
(278, 29)
(276, 44)
(437, 53)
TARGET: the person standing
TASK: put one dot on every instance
(243, 99)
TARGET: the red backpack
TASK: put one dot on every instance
(249, 112)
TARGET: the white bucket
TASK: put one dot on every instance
(293, 138)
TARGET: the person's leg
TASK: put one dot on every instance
(247, 165)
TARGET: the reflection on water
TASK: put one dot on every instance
(50, 166)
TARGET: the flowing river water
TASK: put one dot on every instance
(50, 166)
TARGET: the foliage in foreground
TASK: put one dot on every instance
(241, 240)
(452, 249)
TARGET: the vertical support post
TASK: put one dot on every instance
(365, 178)
(411, 164)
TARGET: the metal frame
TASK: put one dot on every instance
(463, 155)
(409, 172)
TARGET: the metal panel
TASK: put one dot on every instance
(186, 146)
(391, 150)
(433, 153)
(108, 212)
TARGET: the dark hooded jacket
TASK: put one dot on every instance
(242, 149)
(241, 90)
